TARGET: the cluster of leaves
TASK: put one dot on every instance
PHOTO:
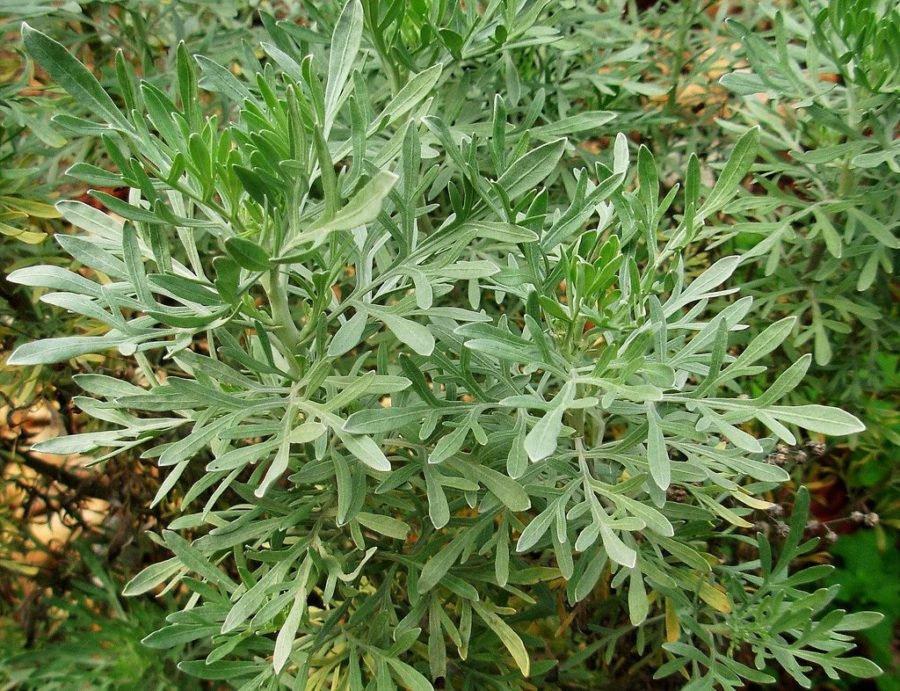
(49, 514)
(413, 360)
(828, 117)
(35, 150)
(96, 641)
(821, 83)
(31, 147)
(22, 204)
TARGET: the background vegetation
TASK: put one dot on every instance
(808, 88)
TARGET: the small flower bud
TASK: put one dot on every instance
(783, 529)
(775, 510)
(872, 519)
(831, 536)
(857, 516)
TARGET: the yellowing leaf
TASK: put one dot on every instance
(715, 596)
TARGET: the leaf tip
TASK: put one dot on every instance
(27, 30)
(17, 358)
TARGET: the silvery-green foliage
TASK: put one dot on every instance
(420, 365)
(822, 87)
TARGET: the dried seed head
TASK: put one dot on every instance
(831, 536)
(775, 510)
(676, 494)
(857, 516)
(777, 459)
(872, 519)
(783, 529)
(816, 448)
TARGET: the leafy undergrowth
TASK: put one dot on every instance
(524, 345)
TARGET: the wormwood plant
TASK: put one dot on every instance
(97, 642)
(430, 381)
(828, 80)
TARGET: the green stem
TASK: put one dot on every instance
(381, 49)
(276, 291)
